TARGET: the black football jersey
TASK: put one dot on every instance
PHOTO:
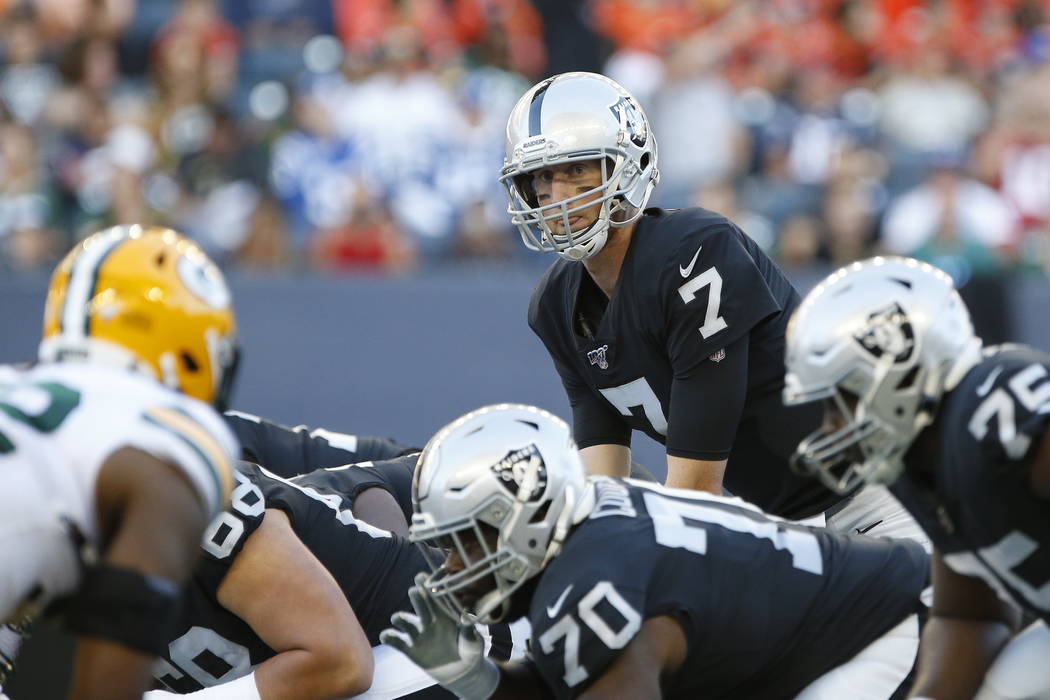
(290, 451)
(346, 481)
(979, 510)
(373, 567)
(766, 606)
(689, 350)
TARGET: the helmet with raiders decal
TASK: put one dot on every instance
(879, 341)
(569, 118)
(494, 492)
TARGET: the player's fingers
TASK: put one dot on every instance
(422, 600)
(407, 622)
(399, 640)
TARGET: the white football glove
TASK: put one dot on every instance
(453, 654)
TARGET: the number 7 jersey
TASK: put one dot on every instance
(689, 350)
(58, 425)
(766, 606)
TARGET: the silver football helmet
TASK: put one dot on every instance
(576, 117)
(879, 341)
(495, 491)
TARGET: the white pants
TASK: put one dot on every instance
(875, 672)
(35, 548)
(1020, 671)
(874, 511)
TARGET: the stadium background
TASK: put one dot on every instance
(338, 158)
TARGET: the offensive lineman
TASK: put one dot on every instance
(291, 592)
(959, 432)
(639, 591)
(670, 322)
(113, 460)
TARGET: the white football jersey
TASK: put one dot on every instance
(58, 425)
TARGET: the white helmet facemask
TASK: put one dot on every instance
(570, 118)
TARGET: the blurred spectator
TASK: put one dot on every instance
(26, 80)
(25, 235)
(952, 221)
(928, 109)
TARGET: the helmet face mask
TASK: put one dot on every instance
(569, 118)
(149, 300)
(493, 492)
(879, 342)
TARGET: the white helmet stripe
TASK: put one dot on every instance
(82, 281)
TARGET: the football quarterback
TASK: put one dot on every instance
(668, 322)
(638, 590)
(959, 434)
(112, 454)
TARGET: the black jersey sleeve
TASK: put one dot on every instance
(289, 451)
(229, 530)
(713, 294)
(593, 421)
(706, 406)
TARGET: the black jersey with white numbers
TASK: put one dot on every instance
(979, 509)
(290, 451)
(689, 350)
(373, 567)
(766, 607)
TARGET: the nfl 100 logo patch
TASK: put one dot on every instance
(600, 357)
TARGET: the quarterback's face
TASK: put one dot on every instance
(560, 182)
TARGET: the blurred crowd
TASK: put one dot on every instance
(367, 134)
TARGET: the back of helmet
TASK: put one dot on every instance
(146, 299)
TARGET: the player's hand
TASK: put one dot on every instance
(450, 652)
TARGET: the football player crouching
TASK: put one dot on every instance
(292, 591)
(637, 590)
(959, 434)
(112, 455)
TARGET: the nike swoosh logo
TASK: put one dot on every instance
(686, 271)
(552, 610)
(861, 532)
(986, 385)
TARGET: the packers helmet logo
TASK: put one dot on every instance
(523, 468)
(204, 280)
(888, 332)
(631, 120)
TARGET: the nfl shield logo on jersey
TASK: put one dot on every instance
(599, 357)
(718, 356)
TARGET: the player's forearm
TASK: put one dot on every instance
(607, 460)
(954, 655)
(695, 474)
(305, 674)
(105, 670)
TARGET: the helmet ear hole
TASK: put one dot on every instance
(188, 362)
(160, 259)
(908, 380)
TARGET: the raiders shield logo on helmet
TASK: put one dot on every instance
(513, 472)
(888, 331)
